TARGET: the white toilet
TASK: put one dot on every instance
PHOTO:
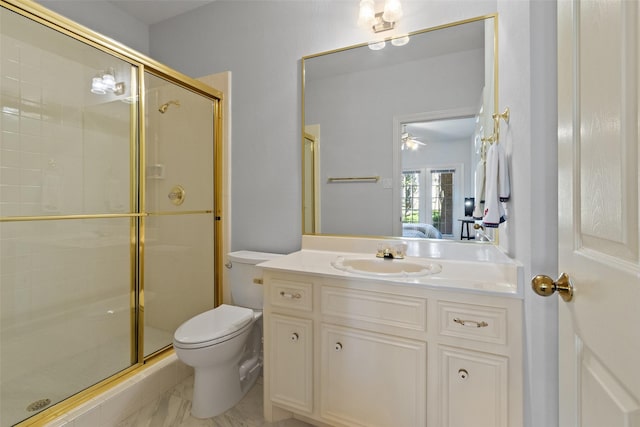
(224, 345)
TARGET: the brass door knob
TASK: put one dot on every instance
(545, 286)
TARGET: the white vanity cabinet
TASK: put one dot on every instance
(371, 379)
(365, 352)
(290, 342)
(373, 357)
(479, 362)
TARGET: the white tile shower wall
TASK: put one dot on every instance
(51, 163)
(128, 397)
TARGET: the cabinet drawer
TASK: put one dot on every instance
(378, 308)
(474, 322)
(291, 294)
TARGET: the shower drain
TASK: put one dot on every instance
(38, 404)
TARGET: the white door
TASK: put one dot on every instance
(598, 122)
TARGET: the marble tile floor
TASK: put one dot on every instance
(173, 408)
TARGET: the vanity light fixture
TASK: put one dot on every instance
(105, 81)
(381, 21)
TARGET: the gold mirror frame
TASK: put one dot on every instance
(310, 205)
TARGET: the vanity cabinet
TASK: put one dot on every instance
(371, 379)
(291, 362)
(363, 352)
(474, 388)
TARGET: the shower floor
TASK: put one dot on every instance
(58, 381)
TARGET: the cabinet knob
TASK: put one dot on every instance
(338, 346)
(463, 374)
(294, 337)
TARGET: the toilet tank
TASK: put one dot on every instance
(242, 272)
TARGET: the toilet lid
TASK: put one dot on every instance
(213, 324)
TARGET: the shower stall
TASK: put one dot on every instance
(108, 209)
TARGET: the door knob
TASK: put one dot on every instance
(545, 286)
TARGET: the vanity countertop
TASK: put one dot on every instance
(497, 278)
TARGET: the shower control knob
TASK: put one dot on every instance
(294, 337)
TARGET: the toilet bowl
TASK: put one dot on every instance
(224, 345)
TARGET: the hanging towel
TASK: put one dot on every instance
(497, 187)
(504, 186)
(479, 190)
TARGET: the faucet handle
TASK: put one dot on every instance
(383, 250)
(387, 250)
(400, 250)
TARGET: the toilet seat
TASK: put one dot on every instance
(213, 326)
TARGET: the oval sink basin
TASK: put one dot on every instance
(386, 267)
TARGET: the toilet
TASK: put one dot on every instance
(224, 345)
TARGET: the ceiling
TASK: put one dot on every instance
(443, 130)
(153, 11)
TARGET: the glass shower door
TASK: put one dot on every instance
(67, 216)
(179, 198)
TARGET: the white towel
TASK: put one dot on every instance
(497, 187)
(479, 190)
(504, 186)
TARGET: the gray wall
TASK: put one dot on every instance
(106, 19)
(261, 42)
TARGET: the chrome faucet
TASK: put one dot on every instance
(391, 251)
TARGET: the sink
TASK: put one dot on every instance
(386, 267)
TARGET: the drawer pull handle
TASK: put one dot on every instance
(338, 346)
(294, 337)
(289, 295)
(463, 322)
(463, 374)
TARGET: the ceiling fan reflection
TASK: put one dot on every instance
(409, 142)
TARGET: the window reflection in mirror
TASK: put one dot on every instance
(371, 118)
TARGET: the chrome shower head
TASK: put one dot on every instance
(163, 108)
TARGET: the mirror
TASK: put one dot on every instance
(391, 137)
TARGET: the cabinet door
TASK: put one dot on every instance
(474, 388)
(291, 365)
(372, 379)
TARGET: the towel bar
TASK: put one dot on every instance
(355, 179)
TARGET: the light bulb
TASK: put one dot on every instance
(109, 79)
(392, 10)
(97, 86)
(367, 15)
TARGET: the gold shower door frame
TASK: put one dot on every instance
(138, 167)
